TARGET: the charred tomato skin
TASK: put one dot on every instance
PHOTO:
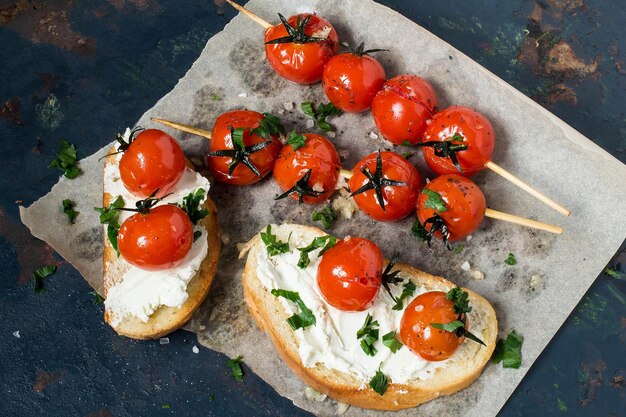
(221, 139)
(465, 204)
(477, 133)
(301, 63)
(403, 108)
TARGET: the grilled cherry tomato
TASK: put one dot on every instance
(458, 140)
(403, 107)
(351, 80)
(350, 274)
(385, 186)
(464, 207)
(152, 161)
(238, 165)
(308, 174)
(418, 335)
(156, 240)
(299, 48)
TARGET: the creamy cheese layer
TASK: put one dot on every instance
(140, 292)
(332, 340)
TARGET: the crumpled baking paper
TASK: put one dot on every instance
(533, 297)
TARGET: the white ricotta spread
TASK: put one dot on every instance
(140, 292)
(332, 340)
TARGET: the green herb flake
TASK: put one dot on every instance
(509, 351)
(110, 216)
(448, 327)
(419, 231)
(235, 367)
(68, 209)
(324, 242)
(40, 274)
(165, 406)
(368, 334)
(434, 200)
(614, 273)
(391, 342)
(379, 382)
(561, 405)
(236, 135)
(66, 160)
(196, 235)
(327, 216)
(191, 206)
(405, 142)
(269, 126)
(300, 320)
(460, 299)
(97, 298)
(321, 113)
(510, 260)
(296, 140)
(215, 97)
(407, 291)
(272, 244)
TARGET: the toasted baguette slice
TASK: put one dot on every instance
(166, 319)
(270, 315)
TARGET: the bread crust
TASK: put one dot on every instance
(166, 319)
(270, 316)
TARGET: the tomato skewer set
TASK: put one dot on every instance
(404, 108)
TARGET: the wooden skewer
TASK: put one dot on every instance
(498, 215)
(348, 174)
(521, 184)
(248, 13)
(184, 128)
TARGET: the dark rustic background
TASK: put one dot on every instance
(72, 69)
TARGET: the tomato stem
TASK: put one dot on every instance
(448, 148)
(376, 182)
(295, 34)
(302, 188)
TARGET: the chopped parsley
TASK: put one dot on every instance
(391, 342)
(324, 242)
(296, 140)
(165, 406)
(509, 351)
(419, 231)
(68, 209)
(458, 249)
(235, 367)
(368, 334)
(40, 274)
(407, 291)
(510, 260)
(379, 382)
(321, 113)
(269, 126)
(448, 327)
(272, 244)
(300, 320)
(327, 216)
(110, 216)
(614, 273)
(434, 200)
(66, 160)
(191, 206)
(97, 298)
(215, 97)
(460, 299)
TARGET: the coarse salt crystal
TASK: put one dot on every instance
(465, 266)
(373, 135)
(17, 334)
(195, 349)
(310, 123)
(288, 105)
(244, 94)
(164, 341)
(469, 237)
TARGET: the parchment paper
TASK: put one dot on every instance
(534, 297)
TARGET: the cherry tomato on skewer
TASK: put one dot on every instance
(385, 186)
(244, 146)
(450, 207)
(350, 274)
(351, 80)
(151, 161)
(308, 171)
(156, 237)
(299, 48)
(458, 140)
(403, 107)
